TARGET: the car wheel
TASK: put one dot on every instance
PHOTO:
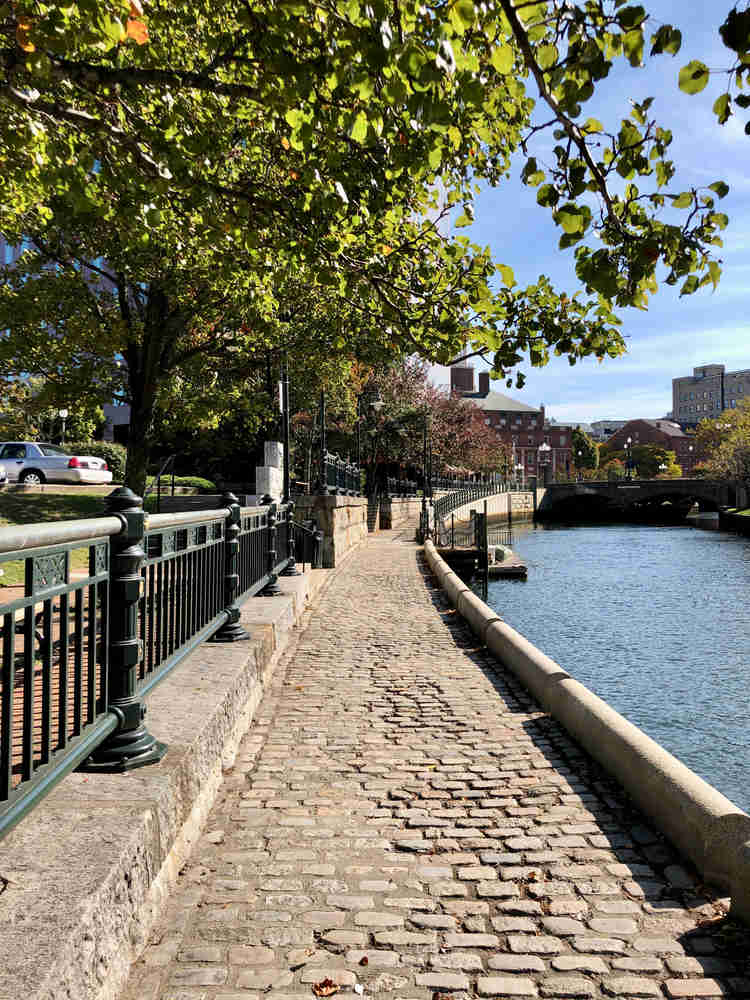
(31, 478)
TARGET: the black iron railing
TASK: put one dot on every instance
(308, 543)
(463, 534)
(341, 477)
(97, 611)
(476, 491)
(401, 487)
(53, 690)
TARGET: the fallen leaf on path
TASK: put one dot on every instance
(325, 988)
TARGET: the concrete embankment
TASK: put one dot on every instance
(701, 822)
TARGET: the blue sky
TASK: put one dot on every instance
(675, 334)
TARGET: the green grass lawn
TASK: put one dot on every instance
(28, 508)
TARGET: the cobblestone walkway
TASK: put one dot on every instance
(402, 822)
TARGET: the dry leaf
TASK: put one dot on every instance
(325, 988)
(285, 142)
(22, 35)
(137, 30)
(364, 960)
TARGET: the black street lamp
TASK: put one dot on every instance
(629, 458)
(323, 465)
(426, 477)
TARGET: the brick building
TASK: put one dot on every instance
(707, 392)
(664, 433)
(522, 427)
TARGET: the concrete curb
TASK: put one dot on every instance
(87, 874)
(701, 822)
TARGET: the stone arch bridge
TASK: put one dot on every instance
(670, 499)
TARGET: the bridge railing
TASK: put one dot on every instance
(97, 611)
(476, 491)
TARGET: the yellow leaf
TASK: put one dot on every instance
(22, 35)
(285, 142)
(137, 30)
(387, 250)
(294, 175)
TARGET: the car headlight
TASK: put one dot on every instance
(2, 471)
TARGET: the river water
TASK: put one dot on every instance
(656, 621)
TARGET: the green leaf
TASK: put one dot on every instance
(508, 277)
(720, 188)
(462, 15)
(570, 218)
(548, 195)
(630, 17)
(592, 125)
(546, 56)
(502, 59)
(632, 43)
(358, 129)
(684, 200)
(722, 108)
(693, 77)
(666, 39)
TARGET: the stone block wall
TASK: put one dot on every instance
(343, 521)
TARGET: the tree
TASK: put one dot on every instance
(212, 154)
(724, 444)
(585, 450)
(646, 459)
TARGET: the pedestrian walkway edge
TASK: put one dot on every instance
(85, 876)
(701, 822)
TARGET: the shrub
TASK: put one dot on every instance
(196, 482)
(113, 454)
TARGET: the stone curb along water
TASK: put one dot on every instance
(701, 822)
(85, 876)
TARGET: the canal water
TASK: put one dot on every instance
(656, 621)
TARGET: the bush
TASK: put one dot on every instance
(195, 482)
(113, 454)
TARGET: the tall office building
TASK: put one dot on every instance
(706, 393)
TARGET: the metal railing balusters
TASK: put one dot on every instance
(9, 684)
(63, 655)
(46, 647)
(28, 693)
(78, 664)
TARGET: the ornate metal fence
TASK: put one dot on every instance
(97, 611)
(476, 491)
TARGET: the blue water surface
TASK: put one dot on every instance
(655, 620)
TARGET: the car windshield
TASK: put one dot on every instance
(51, 449)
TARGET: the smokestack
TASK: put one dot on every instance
(484, 383)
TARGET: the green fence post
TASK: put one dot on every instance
(231, 630)
(131, 744)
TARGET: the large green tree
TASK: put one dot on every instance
(723, 444)
(175, 165)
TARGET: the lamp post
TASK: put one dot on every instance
(63, 415)
(578, 464)
(323, 468)
(690, 458)
(628, 458)
(425, 518)
(544, 454)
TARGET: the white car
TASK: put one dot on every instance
(35, 462)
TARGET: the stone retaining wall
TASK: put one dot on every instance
(521, 506)
(343, 521)
(702, 823)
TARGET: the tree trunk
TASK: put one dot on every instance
(139, 444)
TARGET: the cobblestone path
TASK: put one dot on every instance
(403, 822)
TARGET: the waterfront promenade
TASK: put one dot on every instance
(402, 821)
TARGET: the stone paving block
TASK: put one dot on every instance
(491, 986)
(694, 988)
